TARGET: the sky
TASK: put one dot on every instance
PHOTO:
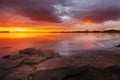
(59, 14)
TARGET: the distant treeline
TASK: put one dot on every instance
(4, 31)
(104, 31)
(87, 31)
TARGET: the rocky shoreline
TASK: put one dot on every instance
(36, 64)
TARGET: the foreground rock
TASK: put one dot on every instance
(79, 73)
(12, 65)
(33, 60)
(80, 67)
(28, 51)
(35, 56)
(118, 46)
(36, 64)
(42, 53)
(23, 73)
(8, 64)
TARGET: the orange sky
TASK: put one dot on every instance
(21, 25)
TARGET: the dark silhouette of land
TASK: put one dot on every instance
(4, 31)
(86, 31)
(95, 31)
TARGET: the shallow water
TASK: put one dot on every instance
(63, 43)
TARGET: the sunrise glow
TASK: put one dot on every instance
(30, 29)
(89, 22)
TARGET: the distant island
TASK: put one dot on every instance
(4, 31)
(95, 31)
(86, 31)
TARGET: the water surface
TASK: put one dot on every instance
(64, 43)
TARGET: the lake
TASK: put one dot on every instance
(64, 43)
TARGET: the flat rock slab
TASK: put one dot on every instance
(28, 51)
(118, 46)
(55, 63)
(33, 60)
(48, 65)
(79, 73)
(23, 73)
(8, 64)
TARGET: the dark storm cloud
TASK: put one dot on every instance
(99, 11)
(38, 10)
(99, 15)
(60, 10)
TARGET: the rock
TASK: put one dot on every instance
(86, 73)
(55, 63)
(48, 65)
(23, 73)
(28, 51)
(16, 56)
(35, 56)
(34, 59)
(53, 74)
(47, 54)
(50, 54)
(78, 73)
(2, 74)
(113, 72)
(6, 56)
(8, 64)
(70, 73)
(118, 46)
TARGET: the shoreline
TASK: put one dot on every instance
(37, 64)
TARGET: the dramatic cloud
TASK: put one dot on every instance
(62, 10)
(39, 10)
(96, 10)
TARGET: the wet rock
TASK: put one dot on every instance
(8, 64)
(34, 59)
(48, 65)
(55, 63)
(47, 54)
(77, 73)
(50, 54)
(87, 73)
(43, 53)
(16, 56)
(23, 73)
(70, 73)
(113, 72)
(54, 74)
(2, 74)
(28, 51)
(118, 46)
(6, 56)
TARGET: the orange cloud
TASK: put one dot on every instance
(89, 22)
(14, 20)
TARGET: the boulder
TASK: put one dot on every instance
(33, 59)
(113, 72)
(15, 56)
(23, 73)
(42, 53)
(86, 73)
(53, 74)
(74, 73)
(50, 54)
(8, 64)
(78, 73)
(118, 46)
(28, 51)
(2, 74)
(55, 63)
(6, 56)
